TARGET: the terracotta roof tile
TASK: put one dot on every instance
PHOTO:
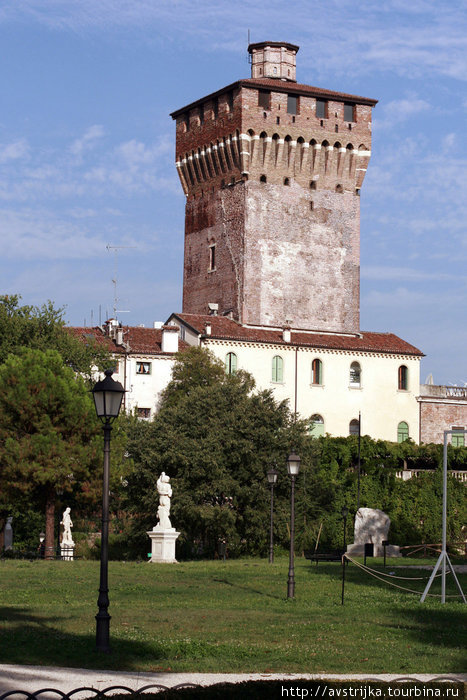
(223, 328)
(143, 341)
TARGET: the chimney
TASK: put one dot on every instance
(170, 338)
(286, 334)
(207, 328)
(213, 309)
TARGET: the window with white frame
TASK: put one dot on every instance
(143, 368)
(355, 377)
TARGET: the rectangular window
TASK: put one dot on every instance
(230, 101)
(458, 437)
(212, 257)
(322, 109)
(143, 412)
(349, 112)
(215, 108)
(277, 369)
(201, 114)
(264, 99)
(292, 104)
(143, 368)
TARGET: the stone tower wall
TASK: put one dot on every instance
(277, 194)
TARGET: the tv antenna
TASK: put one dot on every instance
(115, 249)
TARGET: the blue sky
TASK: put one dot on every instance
(87, 149)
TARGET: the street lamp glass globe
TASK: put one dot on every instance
(293, 464)
(108, 395)
(272, 476)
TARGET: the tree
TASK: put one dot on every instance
(216, 437)
(48, 431)
(44, 328)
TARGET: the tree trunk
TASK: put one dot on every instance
(50, 526)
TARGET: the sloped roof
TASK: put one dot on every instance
(223, 328)
(142, 341)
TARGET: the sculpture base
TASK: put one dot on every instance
(358, 550)
(67, 552)
(163, 545)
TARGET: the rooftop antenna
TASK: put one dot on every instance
(249, 57)
(116, 248)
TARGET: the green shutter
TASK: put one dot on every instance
(402, 431)
(277, 369)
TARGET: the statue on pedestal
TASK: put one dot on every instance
(163, 536)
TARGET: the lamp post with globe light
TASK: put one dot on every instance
(293, 467)
(107, 395)
(272, 478)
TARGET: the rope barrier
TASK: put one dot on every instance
(401, 578)
(401, 588)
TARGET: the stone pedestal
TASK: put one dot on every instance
(67, 551)
(163, 545)
(358, 550)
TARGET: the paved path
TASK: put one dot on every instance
(34, 678)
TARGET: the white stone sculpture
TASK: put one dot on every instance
(163, 536)
(164, 490)
(372, 527)
(67, 546)
(67, 538)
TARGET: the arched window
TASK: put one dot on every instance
(277, 369)
(403, 378)
(354, 427)
(402, 431)
(231, 363)
(263, 178)
(355, 374)
(316, 371)
(286, 181)
(316, 428)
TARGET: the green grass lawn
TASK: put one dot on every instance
(228, 616)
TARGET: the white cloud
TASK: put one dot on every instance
(88, 140)
(407, 274)
(14, 151)
(407, 39)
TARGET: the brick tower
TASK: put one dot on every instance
(272, 171)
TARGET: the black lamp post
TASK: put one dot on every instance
(108, 395)
(293, 467)
(344, 513)
(272, 478)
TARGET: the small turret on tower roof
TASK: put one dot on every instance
(273, 59)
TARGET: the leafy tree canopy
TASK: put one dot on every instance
(44, 328)
(48, 430)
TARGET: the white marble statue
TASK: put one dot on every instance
(371, 525)
(164, 490)
(67, 538)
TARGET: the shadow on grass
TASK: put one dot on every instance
(27, 638)
(248, 588)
